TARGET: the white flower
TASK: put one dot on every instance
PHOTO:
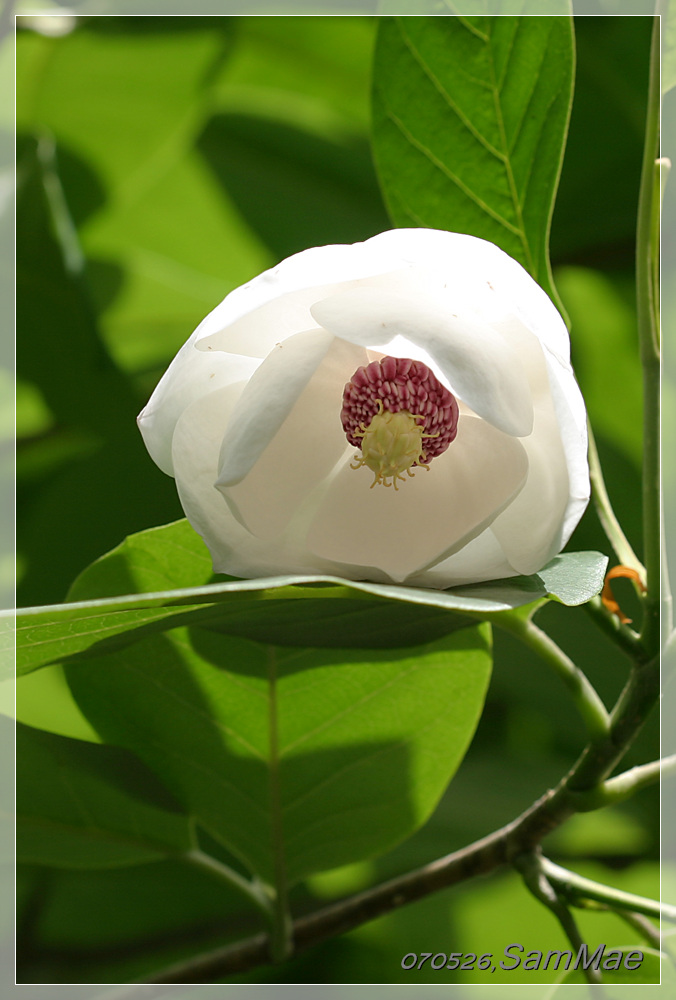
(248, 417)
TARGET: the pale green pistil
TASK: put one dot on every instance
(391, 445)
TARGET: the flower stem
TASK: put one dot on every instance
(623, 636)
(647, 303)
(648, 931)
(586, 698)
(606, 514)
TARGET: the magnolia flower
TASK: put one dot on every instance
(398, 410)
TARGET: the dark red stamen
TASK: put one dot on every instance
(400, 384)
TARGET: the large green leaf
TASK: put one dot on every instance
(296, 760)
(85, 806)
(469, 124)
(163, 574)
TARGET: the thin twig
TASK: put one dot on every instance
(621, 635)
(645, 927)
(535, 877)
(623, 786)
(647, 307)
(606, 514)
(585, 696)
(253, 890)
(575, 887)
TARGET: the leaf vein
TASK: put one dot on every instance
(520, 230)
(351, 708)
(436, 83)
(194, 710)
(351, 766)
(453, 177)
(472, 29)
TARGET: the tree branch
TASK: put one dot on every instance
(623, 786)
(645, 928)
(585, 696)
(536, 879)
(621, 635)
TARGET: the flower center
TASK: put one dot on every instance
(400, 416)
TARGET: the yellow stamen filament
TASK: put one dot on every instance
(391, 445)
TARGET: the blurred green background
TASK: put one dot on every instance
(162, 162)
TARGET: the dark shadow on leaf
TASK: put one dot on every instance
(206, 736)
(296, 190)
(323, 624)
(146, 916)
(594, 218)
(92, 501)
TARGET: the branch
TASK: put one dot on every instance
(645, 928)
(621, 635)
(606, 515)
(647, 305)
(253, 890)
(623, 786)
(536, 879)
(576, 887)
(586, 698)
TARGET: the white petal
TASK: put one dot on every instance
(537, 525)
(303, 451)
(233, 549)
(481, 559)
(281, 297)
(196, 444)
(480, 366)
(572, 419)
(191, 375)
(409, 529)
(267, 401)
(276, 304)
(492, 278)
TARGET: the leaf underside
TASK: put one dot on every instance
(158, 580)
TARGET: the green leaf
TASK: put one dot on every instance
(469, 124)
(296, 760)
(80, 805)
(169, 567)
(574, 577)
